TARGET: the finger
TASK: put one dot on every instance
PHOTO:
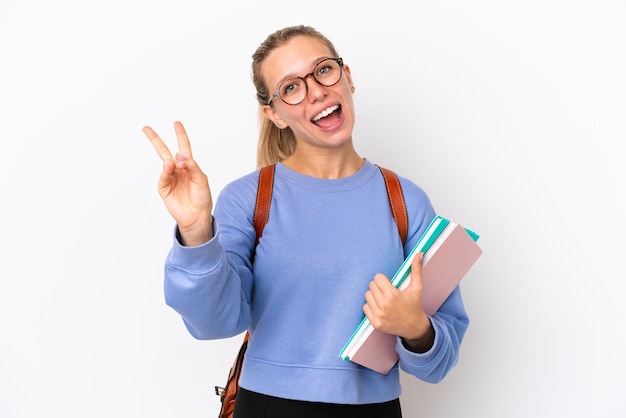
(157, 143)
(367, 310)
(416, 265)
(416, 271)
(376, 291)
(184, 147)
(383, 284)
(370, 306)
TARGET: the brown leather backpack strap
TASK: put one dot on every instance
(228, 393)
(263, 200)
(396, 201)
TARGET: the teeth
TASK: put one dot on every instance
(325, 113)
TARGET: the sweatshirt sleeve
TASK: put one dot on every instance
(210, 285)
(450, 323)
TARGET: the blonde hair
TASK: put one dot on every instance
(277, 144)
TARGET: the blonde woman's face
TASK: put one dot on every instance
(325, 117)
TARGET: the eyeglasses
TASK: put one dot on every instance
(293, 91)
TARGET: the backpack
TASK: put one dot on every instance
(228, 393)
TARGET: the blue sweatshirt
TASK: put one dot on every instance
(303, 297)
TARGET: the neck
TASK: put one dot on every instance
(326, 165)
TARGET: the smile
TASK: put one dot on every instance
(325, 113)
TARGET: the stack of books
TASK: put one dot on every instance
(449, 252)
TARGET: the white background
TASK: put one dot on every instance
(510, 114)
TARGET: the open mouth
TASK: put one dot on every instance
(328, 117)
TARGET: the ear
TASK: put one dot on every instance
(271, 114)
(346, 69)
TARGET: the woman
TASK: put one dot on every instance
(325, 255)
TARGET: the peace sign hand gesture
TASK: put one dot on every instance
(184, 188)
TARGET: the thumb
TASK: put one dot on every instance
(416, 273)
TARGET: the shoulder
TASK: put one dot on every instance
(414, 194)
(419, 206)
(240, 192)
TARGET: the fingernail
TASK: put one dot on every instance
(180, 160)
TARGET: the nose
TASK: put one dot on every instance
(315, 91)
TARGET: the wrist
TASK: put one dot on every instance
(422, 340)
(197, 234)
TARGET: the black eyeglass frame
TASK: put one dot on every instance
(306, 86)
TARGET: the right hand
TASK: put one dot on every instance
(184, 188)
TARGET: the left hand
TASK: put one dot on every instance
(400, 312)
